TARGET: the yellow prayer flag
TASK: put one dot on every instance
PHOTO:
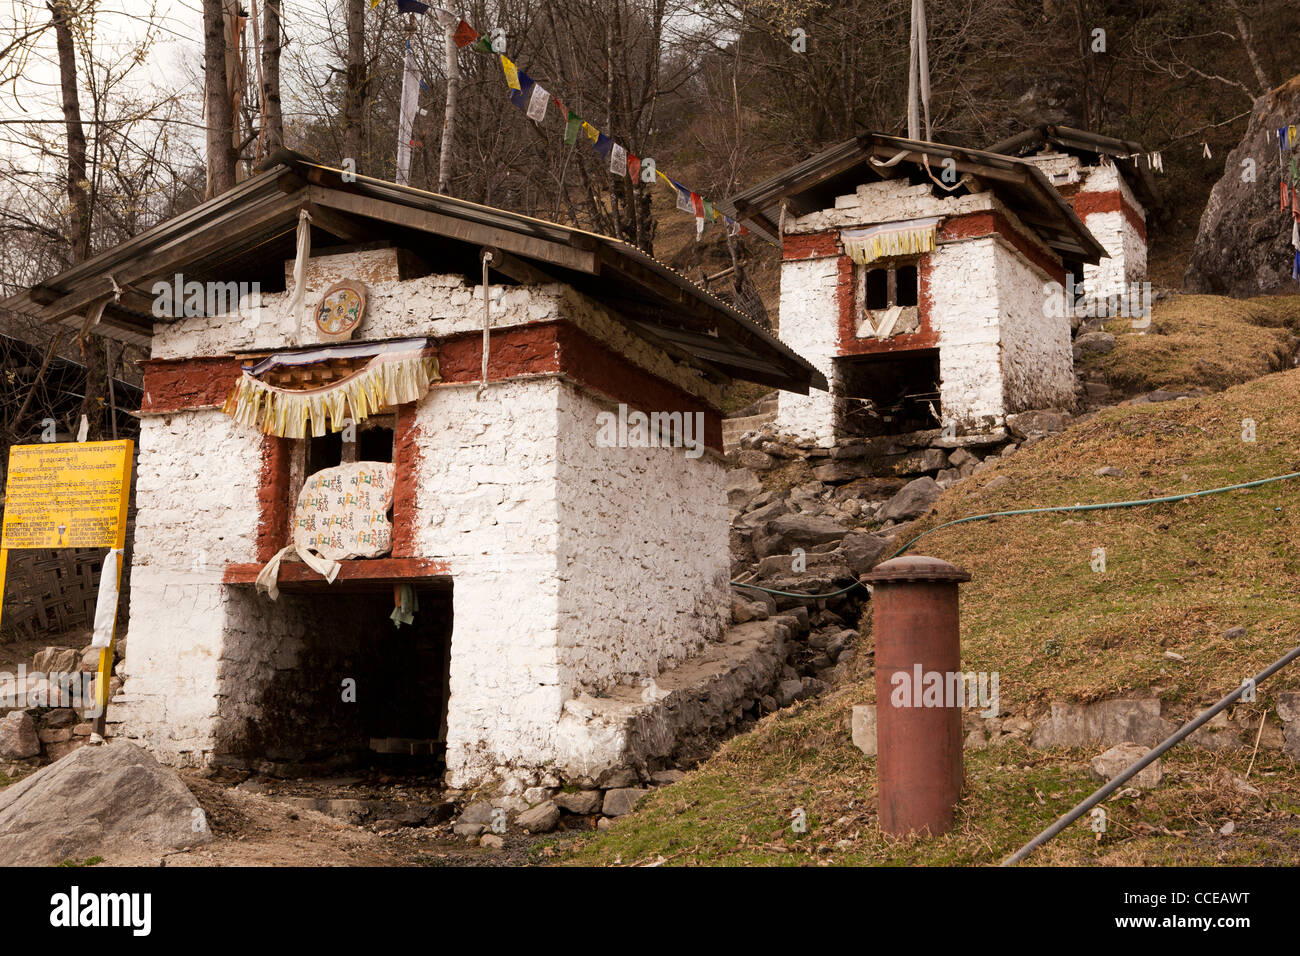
(665, 179)
(1290, 136)
(593, 134)
(512, 74)
(373, 4)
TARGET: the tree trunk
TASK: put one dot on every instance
(273, 120)
(1248, 41)
(78, 186)
(354, 92)
(217, 106)
(449, 116)
(92, 347)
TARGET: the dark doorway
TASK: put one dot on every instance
(886, 394)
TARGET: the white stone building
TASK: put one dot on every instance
(1109, 185)
(551, 563)
(916, 277)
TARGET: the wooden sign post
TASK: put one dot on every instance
(70, 495)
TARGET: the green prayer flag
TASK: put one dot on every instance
(571, 128)
(708, 211)
(484, 45)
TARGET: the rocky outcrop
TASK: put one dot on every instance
(1243, 246)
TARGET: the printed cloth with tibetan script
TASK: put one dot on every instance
(288, 393)
(887, 239)
(342, 512)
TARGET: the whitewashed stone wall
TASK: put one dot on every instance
(1126, 250)
(993, 356)
(196, 499)
(575, 568)
(810, 316)
(1037, 363)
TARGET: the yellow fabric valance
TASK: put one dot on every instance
(888, 239)
(385, 381)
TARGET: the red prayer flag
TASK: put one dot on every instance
(697, 203)
(465, 34)
(633, 167)
(1286, 199)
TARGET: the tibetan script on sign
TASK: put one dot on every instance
(66, 495)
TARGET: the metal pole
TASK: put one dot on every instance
(1152, 755)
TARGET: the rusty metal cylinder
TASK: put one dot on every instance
(918, 726)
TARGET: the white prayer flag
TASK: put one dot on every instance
(406, 117)
(618, 160)
(537, 103)
(446, 19)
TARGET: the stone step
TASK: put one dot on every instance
(733, 428)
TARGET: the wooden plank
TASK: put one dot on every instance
(209, 238)
(529, 247)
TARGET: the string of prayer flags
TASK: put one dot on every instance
(537, 103)
(618, 160)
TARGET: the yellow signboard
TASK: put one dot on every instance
(72, 495)
(67, 495)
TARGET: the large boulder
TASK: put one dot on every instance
(113, 801)
(803, 531)
(915, 499)
(1243, 245)
(18, 738)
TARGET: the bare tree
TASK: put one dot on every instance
(354, 82)
(273, 117)
(218, 108)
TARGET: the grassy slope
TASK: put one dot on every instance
(1200, 341)
(1177, 577)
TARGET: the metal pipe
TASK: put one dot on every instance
(1152, 755)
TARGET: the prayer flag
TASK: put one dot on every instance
(373, 4)
(593, 134)
(512, 74)
(1286, 197)
(446, 19)
(697, 207)
(537, 103)
(604, 146)
(406, 117)
(483, 45)
(1281, 138)
(683, 197)
(633, 167)
(618, 160)
(412, 6)
(519, 97)
(709, 214)
(571, 128)
(1290, 136)
(465, 34)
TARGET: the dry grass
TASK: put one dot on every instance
(1200, 342)
(1177, 577)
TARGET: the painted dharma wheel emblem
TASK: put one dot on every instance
(340, 310)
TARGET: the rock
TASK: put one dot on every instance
(1228, 829)
(541, 818)
(1110, 471)
(468, 829)
(622, 800)
(1108, 765)
(975, 740)
(536, 795)
(663, 778)
(54, 735)
(1096, 391)
(755, 460)
(1090, 343)
(931, 459)
(619, 779)
(762, 515)
(59, 718)
(57, 660)
(802, 531)
(1234, 633)
(90, 659)
(864, 728)
(960, 456)
(491, 841)
(604, 823)
(480, 811)
(914, 500)
(114, 801)
(1027, 424)
(582, 802)
(1288, 711)
(1240, 235)
(1106, 722)
(838, 471)
(787, 691)
(743, 487)
(18, 738)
